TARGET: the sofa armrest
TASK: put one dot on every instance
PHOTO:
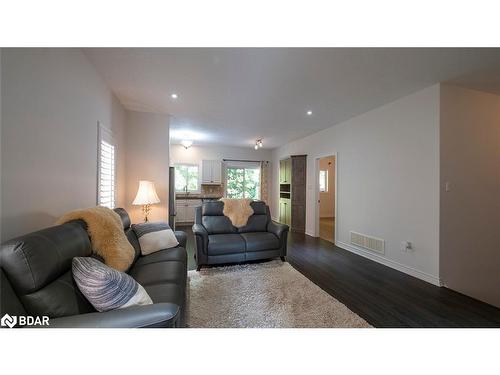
(157, 315)
(276, 228)
(199, 230)
(181, 237)
(201, 244)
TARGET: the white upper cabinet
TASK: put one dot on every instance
(211, 172)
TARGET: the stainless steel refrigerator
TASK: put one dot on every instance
(171, 198)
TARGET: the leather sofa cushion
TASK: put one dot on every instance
(159, 272)
(134, 241)
(259, 208)
(256, 223)
(35, 260)
(59, 298)
(213, 208)
(163, 275)
(218, 224)
(174, 254)
(259, 241)
(221, 244)
(124, 217)
(166, 292)
(9, 302)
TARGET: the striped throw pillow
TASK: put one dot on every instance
(106, 288)
(154, 237)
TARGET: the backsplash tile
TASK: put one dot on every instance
(212, 190)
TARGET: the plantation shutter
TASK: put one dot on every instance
(106, 186)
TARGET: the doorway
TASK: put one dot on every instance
(326, 197)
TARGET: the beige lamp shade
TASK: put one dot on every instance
(146, 194)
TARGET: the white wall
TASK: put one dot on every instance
(470, 210)
(147, 158)
(388, 179)
(52, 100)
(195, 154)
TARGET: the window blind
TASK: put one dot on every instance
(106, 170)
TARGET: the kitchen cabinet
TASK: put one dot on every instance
(211, 172)
(185, 210)
(286, 171)
(285, 212)
(292, 190)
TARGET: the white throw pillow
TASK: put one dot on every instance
(154, 237)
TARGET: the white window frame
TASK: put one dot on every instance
(325, 177)
(105, 135)
(198, 185)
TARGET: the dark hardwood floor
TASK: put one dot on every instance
(381, 295)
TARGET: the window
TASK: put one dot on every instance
(323, 181)
(243, 181)
(187, 178)
(106, 169)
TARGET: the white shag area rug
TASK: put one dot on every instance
(263, 295)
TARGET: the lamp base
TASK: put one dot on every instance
(146, 209)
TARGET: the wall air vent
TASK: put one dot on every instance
(371, 243)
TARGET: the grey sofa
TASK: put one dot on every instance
(218, 241)
(36, 280)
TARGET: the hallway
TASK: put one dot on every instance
(327, 229)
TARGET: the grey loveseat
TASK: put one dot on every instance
(218, 241)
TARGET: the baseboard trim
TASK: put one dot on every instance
(310, 234)
(391, 263)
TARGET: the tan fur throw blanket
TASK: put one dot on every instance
(237, 210)
(105, 229)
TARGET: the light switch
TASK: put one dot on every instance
(447, 186)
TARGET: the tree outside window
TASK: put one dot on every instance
(243, 183)
(186, 178)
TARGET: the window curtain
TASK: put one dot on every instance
(265, 177)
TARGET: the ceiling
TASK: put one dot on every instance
(234, 96)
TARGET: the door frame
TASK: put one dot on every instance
(316, 194)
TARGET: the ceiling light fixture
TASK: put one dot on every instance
(186, 144)
(174, 96)
(309, 113)
(258, 143)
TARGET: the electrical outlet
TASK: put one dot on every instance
(406, 246)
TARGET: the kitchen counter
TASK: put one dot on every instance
(197, 196)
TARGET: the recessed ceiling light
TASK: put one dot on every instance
(174, 96)
(309, 113)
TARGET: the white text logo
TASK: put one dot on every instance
(10, 321)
